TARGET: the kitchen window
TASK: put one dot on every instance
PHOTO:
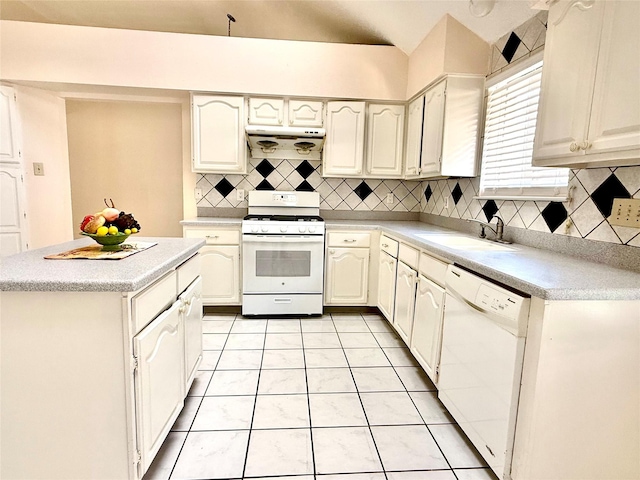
(510, 125)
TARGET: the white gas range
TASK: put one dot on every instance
(283, 254)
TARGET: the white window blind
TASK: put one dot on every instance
(512, 109)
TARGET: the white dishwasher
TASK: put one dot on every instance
(482, 352)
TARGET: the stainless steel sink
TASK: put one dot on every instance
(461, 242)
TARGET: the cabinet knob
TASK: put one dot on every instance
(385, 245)
(332, 251)
(574, 147)
(585, 145)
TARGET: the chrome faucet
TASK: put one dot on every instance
(499, 230)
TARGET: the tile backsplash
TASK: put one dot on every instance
(305, 175)
(591, 194)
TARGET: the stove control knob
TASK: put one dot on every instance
(301, 229)
(312, 229)
(283, 229)
(254, 229)
(264, 229)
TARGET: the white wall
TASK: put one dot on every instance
(44, 132)
(39, 52)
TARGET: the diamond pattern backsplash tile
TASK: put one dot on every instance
(584, 215)
(305, 176)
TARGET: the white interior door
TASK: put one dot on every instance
(12, 212)
(9, 128)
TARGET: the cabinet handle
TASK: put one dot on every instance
(349, 240)
(585, 145)
(574, 147)
(385, 245)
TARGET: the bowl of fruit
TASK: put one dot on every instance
(110, 227)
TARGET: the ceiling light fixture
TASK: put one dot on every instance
(481, 8)
(231, 19)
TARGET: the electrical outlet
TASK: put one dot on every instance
(389, 199)
(625, 212)
(446, 203)
(198, 194)
(38, 169)
(240, 195)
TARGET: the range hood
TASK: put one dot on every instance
(293, 143)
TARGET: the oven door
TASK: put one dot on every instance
(282, 264)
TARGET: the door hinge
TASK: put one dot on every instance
(138, 458)
(134, 363)
(438, 369)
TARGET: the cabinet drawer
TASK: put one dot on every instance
(214, 236)
(408, 255)
(389, 246)
(432, 268)
(154, 299)
(348, 239)
(188, 271)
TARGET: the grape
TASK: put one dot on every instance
(126, 220)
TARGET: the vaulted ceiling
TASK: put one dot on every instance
(403, 23)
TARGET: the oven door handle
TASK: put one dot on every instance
(282, 238)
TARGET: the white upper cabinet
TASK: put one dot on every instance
(589, 113)
(266, 111)
(9, 140)
(432, 128)
(218, 138)
(385, 134)
(343, 152)
(414, 137)
(451, 127)
(305, 113)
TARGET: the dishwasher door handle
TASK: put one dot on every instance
(457, 296)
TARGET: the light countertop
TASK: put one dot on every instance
(30, 271)
(537, 272)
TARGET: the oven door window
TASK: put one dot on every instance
(283, 263)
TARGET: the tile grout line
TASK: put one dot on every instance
(360, 398)
(201, 400)
(306, 379)
(255, 402)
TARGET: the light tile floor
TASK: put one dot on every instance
(331, 398)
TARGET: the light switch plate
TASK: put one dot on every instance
(625, 212)
(389, 199)
(38, 169)
(198, 194)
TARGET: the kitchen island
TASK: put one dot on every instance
(97, 357)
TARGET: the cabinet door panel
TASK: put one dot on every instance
(385, 132)
(615, 117)
(414, 137)
(567, 77)
(220, 275)
(347, 276)
(427, 325)
(192, 318)
(432, 130)
(266, 111)
(405, 299)
(218, 134)
(387, 285)
(305, 113)
(343, 152)
(159, 381)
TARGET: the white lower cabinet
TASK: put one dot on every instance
(405, 300)
(159, 380)
(346, 273)
(221, 282)
(347, 276)
(221, 279)
(427, 326)
(387, 284)
(191, 306)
